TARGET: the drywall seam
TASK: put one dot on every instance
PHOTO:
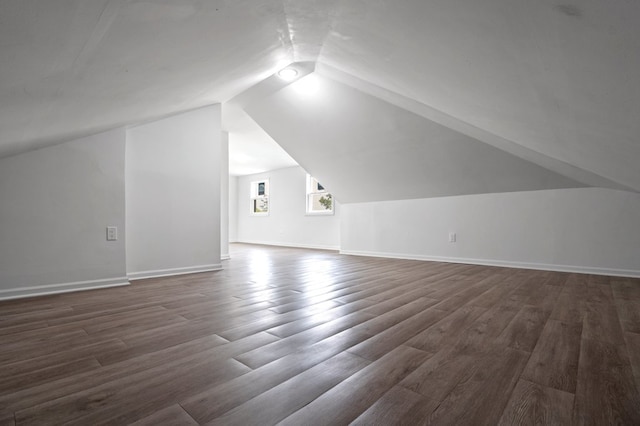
(174, 271)
(293, 245)
(501, 263)
(44, 290)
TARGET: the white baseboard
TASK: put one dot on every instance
(44, 290)
(225, 257)
(174, 271)
(502, 263)
(294, 245)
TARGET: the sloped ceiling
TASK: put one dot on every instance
(365, 149)
(76, 67)
(556, 79)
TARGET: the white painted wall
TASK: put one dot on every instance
(173, 194)
(233, 209)
(287, 223)
(589, 230)
(55, 205)
(224, 195)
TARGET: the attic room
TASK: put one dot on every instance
(161, 261)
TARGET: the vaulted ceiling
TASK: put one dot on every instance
(552, 83)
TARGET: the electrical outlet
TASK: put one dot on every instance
(112, 233)
(452, 237)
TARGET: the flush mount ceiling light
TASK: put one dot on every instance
(288, 74)
(307, 85)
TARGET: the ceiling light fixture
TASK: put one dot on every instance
(288, 74)
(307, 85)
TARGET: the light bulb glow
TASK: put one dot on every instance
(307, 86)
(288, 74)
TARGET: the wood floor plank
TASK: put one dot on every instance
(523, 331)
(396, 407)
(34, 377)
(303, 304)
(216, 401)
(601, 322)
(278, 402)
(238, 330)
(116, 402)
(598, 290)
(407, 296)
(633, 349)
(311, 336)
(494, 294)
(481, 399)
(45, 341)
(265, 354)
(41, 334)
(346, 401)
(166, 358)
(447, 330)
(546, 299)
(382, 307)
(15, 317)
(437, 377)
(387, 340)
(569, 309)
(305, 323)
(28, 305)
(557, 279)
(483, 332)
(393, 317)
(534, 404)
(173, 416)
(7, 420)
(454, 286)
(26, 364)
(470, 292)
(376, 289)
(20, 328)
(530, 286)
(606, 393)
(47, 346)
(148, 315)
(554, 361)
(216, 309)
(94, 307)
(628, 314)
(625, 288)
(149, 341)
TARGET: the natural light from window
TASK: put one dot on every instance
(319, 200)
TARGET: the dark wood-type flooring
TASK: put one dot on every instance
(304, 337)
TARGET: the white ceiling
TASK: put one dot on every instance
(557, 79)
(76, 67)
(363, 148)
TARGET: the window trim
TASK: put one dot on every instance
(254, 196)
(310, 193)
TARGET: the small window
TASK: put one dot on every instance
(319, 200)
(260, 198)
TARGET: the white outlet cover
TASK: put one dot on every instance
(112, 233)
